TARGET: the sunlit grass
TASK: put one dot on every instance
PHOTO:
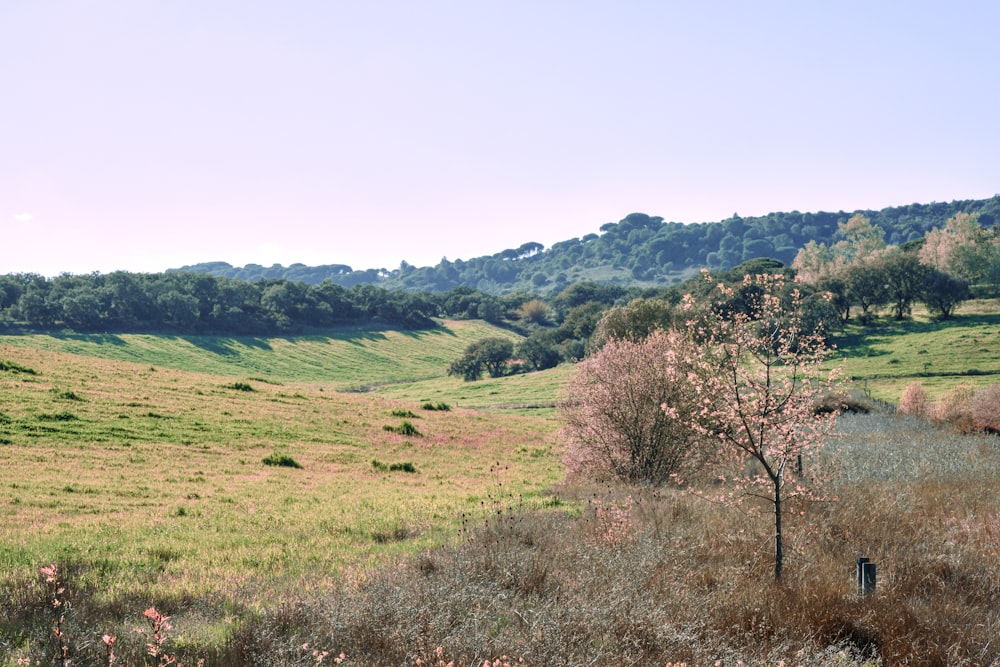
(527, 393)
(889, 355)
(352, 358)
(157, 476)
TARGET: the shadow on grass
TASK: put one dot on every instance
(226, 345)
(97, 339)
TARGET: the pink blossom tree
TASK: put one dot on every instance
(915, 401)
(757, 375)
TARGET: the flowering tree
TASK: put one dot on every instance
(757, 375)
(915, 401)
(615, 425)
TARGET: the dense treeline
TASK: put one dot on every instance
(640, 249)
(193, 303)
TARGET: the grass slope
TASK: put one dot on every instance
(940, 355)
(341, 359)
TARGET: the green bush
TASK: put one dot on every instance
(444, 407)
(404, 413)
(284, 460)
(240, 386)
(405, 466)
(406, 428)
(16, 368)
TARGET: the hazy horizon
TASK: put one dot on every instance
(144, 136)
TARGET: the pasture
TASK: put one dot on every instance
(274, 493)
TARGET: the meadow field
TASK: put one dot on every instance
(284, 500)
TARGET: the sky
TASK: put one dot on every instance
(142, 135)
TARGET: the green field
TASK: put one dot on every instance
(340, 360)
(885, 358)
(118, 454)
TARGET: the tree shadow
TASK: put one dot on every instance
(226, 345)
(97, 339)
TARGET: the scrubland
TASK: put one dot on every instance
(145, 486)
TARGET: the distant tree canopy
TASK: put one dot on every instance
(198, 303)
(645, 250)
(858, 270)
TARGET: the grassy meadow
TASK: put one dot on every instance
(285, 497)
(962, 350)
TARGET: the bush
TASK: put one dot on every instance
(984, 409)
(404, 413)
(240, 386)
(64, 416)
(284, 460)
(443, 407)
(16, 368)
(914, 401)
(616, 426)
(405, 466)
(406, 428)
(954, 408)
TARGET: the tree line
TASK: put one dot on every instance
(197, 303)
(639, 250)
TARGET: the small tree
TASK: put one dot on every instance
(915, 401)
(758, 375)
(615, 424)
(491, 354)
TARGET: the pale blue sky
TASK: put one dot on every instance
(143, 135)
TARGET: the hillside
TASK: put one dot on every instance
(639, 250)
(347, 359)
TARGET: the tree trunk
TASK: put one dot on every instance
(778, 552)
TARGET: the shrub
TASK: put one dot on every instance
(405, 428)
(954, 408)
(404, 413)
(914, 401)
(67, 395)
(984, 409)
(615, 423)
(240, 386)
(443, 407)
(405, 466)
(16, 368)
(284, 460)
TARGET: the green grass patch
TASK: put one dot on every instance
(940, 354)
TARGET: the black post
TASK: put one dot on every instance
(866, 577)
